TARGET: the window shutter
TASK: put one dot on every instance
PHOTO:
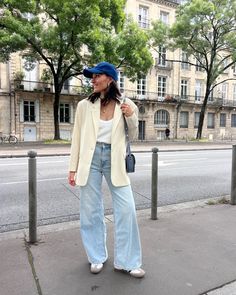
(71, 113)
(21, 111)
(37, 119)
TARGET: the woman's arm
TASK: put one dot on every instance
(71, 178)
(75, 146)
(131, 117)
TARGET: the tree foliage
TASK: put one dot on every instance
(8, 44)
(71, 34)
(206, 30)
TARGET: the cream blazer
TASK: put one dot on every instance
(84, 138)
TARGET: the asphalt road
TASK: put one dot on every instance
(182, 176)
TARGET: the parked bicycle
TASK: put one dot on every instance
(8, 138)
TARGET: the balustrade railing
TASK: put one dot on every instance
(141, 95)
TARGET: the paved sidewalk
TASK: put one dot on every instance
(21, 149)
(189, 250)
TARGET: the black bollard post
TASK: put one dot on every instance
(154, 183)
(32, 197)
(233, 177)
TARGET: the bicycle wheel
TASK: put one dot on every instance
(13, 139)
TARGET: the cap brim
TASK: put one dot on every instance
(88, 73)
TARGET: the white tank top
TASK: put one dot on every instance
(104, 131)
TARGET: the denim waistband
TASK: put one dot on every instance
(104, 144)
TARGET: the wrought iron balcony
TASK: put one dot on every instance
(37, 86)
(137, 95)
(173, 98)
(163, 64)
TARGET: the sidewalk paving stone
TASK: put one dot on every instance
(16, 276)
(185, 252)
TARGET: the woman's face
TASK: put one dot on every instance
(100, 82)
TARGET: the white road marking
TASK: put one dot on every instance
(190, 160)
(26, 163)
(160, 163)
(38, 180)
(165, 155)
(173, 162)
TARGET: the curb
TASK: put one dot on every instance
(141, 214)
(5, 156)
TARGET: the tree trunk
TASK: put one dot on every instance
(56, 115)
(202, 115)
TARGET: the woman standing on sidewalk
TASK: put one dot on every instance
(98, 149)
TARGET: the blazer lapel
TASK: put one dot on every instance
(96, 115)
(116, 118)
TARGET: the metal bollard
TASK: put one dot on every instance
(32, 197)
(233, 177)
(154, 183)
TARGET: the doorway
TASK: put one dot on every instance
(141, 130)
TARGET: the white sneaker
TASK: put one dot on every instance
(136, 273)
(96, 268)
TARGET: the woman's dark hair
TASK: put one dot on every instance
(112, 92)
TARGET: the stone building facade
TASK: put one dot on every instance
(169, 96)
(26, 107)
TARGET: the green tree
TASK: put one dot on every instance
(206, 30)
(71, 34)
(9, 44)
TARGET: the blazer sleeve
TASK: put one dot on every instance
(132, 121)
(75, 143)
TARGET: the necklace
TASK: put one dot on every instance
(104, 107)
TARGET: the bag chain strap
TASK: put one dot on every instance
(128, 151)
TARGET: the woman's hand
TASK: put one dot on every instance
(71, 178)
(126, 109)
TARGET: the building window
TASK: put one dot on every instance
(66, 84)
(161, 118)
(121, 81)
(211, 96)
(234, 94)
(184, 61)
(210, 120)
(30, 70)
(29, 111)
(234, 69)
(184, 88)
(161, 87)
(143, 17)
(225, 64)
(224, 90)
(196, 119)
(164, 17)
(162, 56)
(142, 86)
(199, 68)
(183, 120)
(233, 120)
(64, 113)
(222, 120)
(198, 90)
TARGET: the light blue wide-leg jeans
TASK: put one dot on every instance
(127, 248)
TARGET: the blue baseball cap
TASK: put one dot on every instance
(102, 68)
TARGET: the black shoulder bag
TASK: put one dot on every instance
(130, 158)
